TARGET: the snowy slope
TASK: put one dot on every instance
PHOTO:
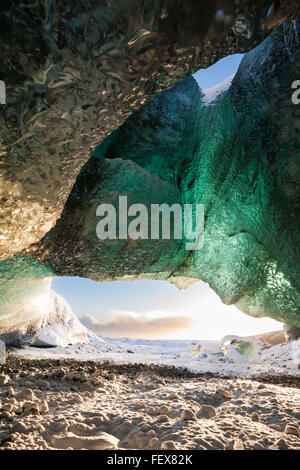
(280, 359)
(210, 94)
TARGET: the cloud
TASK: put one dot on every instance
(132, 326)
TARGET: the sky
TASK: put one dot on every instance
(157, 309)
(218, 72)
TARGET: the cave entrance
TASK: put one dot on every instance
(149, 309)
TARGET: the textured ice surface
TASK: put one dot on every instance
(237, 154)
(79, 70)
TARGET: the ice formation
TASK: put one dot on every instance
(234, 149)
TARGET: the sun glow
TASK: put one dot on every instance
(157, 310)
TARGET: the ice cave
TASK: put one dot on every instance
(101, 102)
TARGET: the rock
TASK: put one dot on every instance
(10, 392)
(154, 442)
(42, 384)
(208, 411)
(163, 418)
(102, 441)
(255, 417)
(145, 427)
(2, 352)
(7, 407)
(58, 374)
(31, 408)
(11, 400)
(187, 415)
(276, 427)
(258, 446)
(19, 427)
(164, 410)
(25, 395)
(43, 407)
(77, 399)
(189, 396)
(291, 430)
(4, 380)
(6, 438)
(139, 406)
(168, 445)
(174, 396)
(261, 387)
(281, 444)
(238, 445)
(221, 393)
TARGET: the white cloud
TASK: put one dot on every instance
(130, 325)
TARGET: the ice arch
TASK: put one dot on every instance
(238, 155)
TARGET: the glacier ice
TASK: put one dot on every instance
(238, 155)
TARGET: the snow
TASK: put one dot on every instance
(48, 320)
(61, 334)
(210, 94)
(197, 356)
(62, 327)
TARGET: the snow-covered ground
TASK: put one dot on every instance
(80, 404)
(197, 356)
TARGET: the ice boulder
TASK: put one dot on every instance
(238, 349)
(62, 327)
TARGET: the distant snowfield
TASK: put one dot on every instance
(210, 94)
(282, 359)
